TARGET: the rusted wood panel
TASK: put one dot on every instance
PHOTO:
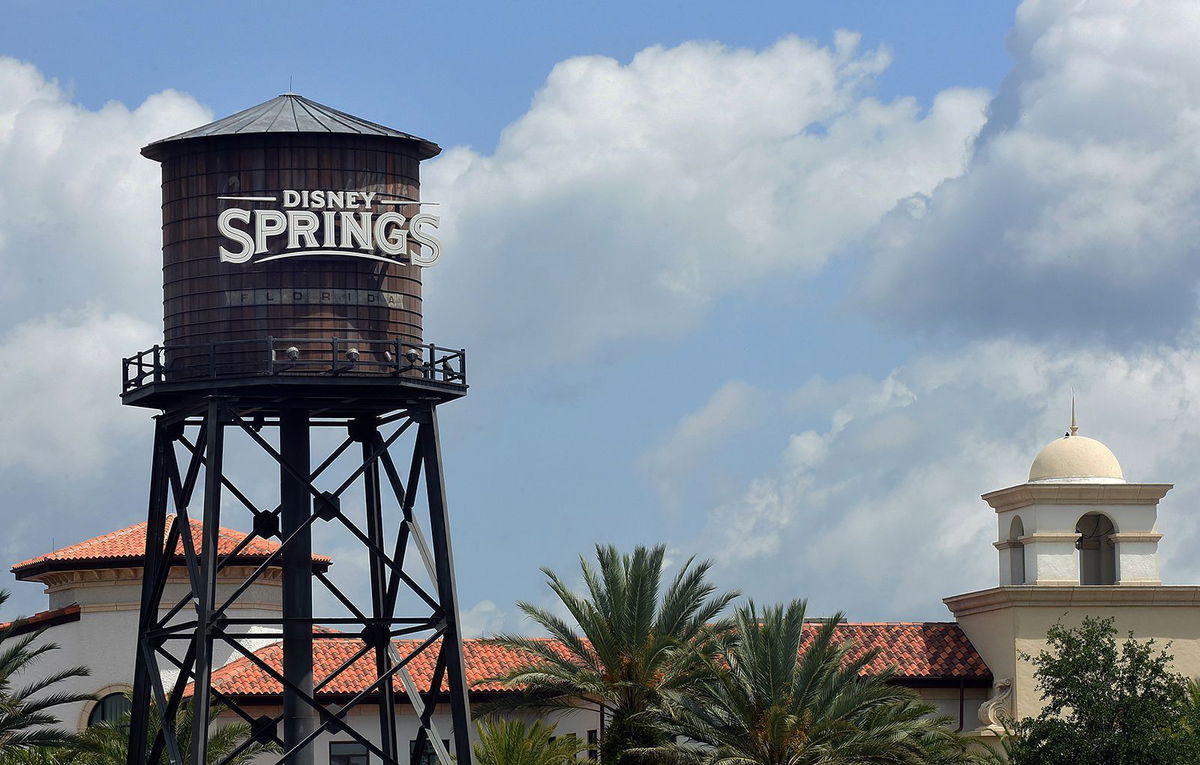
(205, 300)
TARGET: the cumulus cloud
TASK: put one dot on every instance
(1080, 211)
(80, 287)
(878, 509)
(80, 265)
(734, 408)
(62, 413)
(630, 196)
(485, 619)
(81, 206)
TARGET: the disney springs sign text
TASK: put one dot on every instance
(328, 223)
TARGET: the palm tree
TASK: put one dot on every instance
(107, 743)
(41, 755)
(26, 711)
(1190, 725)
(625, 651)
(763, 702)
(511, 742)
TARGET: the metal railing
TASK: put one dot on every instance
(311, 356)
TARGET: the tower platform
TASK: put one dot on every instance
(331, 377)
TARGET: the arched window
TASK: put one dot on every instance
(1016, 550)
(1097, 553)
(112, 708)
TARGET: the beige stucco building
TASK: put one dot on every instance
(1075, 540)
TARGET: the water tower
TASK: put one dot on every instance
(294, 242)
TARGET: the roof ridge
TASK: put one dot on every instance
(896, 624)
(268, 117)
(33, 620)
(947, 657)
(278, 113)
(128, 546)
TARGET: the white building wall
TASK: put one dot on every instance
(947, 702)
(104, 639)
(1048, 544)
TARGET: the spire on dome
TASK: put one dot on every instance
(1073, 458)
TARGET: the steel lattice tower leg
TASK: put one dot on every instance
(431, 450)
(169, 640)
(148, 615)
(296, 504)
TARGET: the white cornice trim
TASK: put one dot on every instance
(1026, 494)
(57, 581)
(1135, 536)
(95, 608)
(1050, 536)
(1068, 596)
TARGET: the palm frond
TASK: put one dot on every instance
(628, 645)
(764, 702)
(513, 742)
(27, 719)
(52, 679)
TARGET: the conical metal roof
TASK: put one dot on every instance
(290, 113)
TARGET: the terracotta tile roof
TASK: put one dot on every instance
(243, 678)
(43, 619)
(127, 547)
(920, 650)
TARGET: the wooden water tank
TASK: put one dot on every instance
(224, 318)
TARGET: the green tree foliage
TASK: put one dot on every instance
(512, 742)
(625, 654)
(1190, 727)
(27, 710)
(41, 755)
(1106, 703)
(763, 702)
(107, 743)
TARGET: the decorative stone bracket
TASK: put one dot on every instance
(996, 709)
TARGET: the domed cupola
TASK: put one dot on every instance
(1076, 521)
(1075, 459)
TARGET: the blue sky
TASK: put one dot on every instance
(804, 279)
(458, 73)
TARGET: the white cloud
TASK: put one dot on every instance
(879, 511)
(62, 415)
(734, 408)
(80, 266)
(81, 206)
(1080, 211)
(630, 196)
(485, 619)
